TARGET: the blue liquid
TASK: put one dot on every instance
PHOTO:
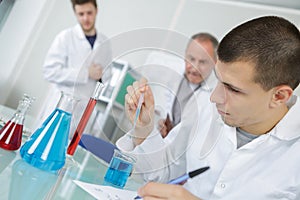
(46, 148)
(118, 173)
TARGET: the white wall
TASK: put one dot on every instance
(13, 39)
(32, 25)
(215, 16)
(25, 39)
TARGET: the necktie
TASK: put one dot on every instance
(183, 95)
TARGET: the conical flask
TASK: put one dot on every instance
(11, 133)
(46, 148)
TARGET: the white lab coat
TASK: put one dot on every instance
(66, 68)
(266, 168)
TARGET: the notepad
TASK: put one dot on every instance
(106, 192)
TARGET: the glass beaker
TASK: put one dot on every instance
(46, 148)
(119, 169)
(11, 133)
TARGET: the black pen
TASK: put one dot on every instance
(184, 177)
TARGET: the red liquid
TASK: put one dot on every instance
(11, 136)
(80, 128)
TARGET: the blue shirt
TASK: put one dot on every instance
(91, 39)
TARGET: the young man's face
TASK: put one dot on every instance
(86, 16)
(239, 100)
(199, 61)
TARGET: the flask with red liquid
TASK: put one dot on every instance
(11, 133)
(85, 118)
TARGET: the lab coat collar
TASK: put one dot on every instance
(209, 83)
(287, 129)
(79, 32)
(289, 126)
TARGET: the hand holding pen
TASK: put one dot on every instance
(165, 191)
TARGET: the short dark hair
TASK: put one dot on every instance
(272, 44)
(206, 37)
(80, 2)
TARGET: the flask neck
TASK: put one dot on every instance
(23, 107)
(66, 103)
(18, 118)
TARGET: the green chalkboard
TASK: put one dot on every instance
(128, 80)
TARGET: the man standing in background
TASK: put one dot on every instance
(76, 59)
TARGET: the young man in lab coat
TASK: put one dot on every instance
(252, 140)
(77, 59)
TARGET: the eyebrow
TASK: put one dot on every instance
(202, 59)
(227, 84)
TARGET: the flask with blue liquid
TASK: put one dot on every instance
(46, 148)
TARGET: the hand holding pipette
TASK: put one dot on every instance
(138, 110)
(139, 106)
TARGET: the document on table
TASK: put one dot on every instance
(106, 192)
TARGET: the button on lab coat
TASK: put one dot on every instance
(66, 67)
(266, 168)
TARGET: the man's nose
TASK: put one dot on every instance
(218, 96)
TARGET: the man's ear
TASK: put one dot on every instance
(281, 95)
